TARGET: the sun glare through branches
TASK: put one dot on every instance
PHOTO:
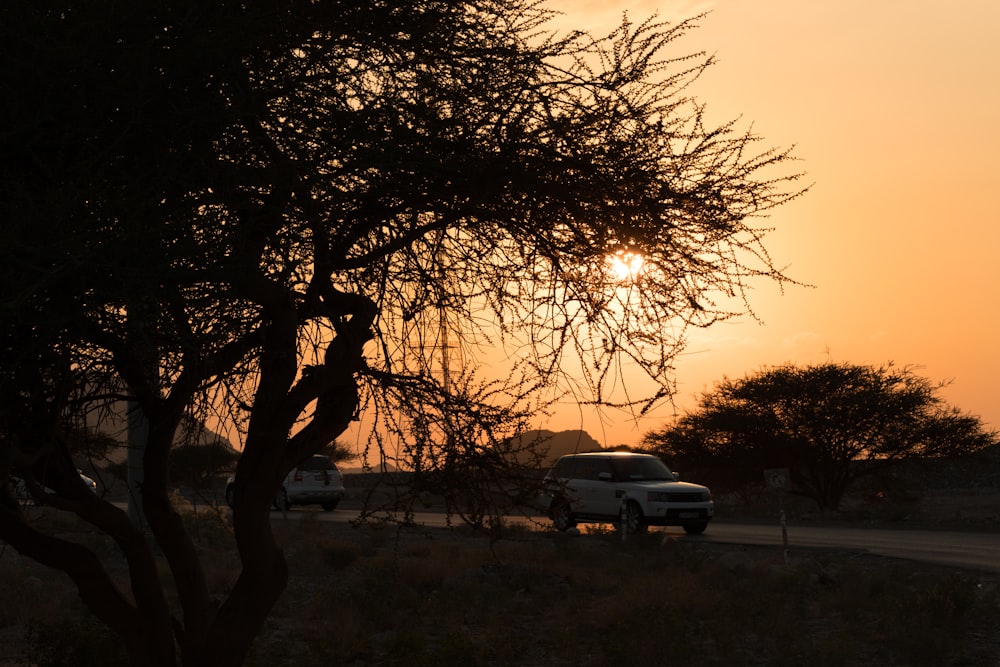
(624, 266)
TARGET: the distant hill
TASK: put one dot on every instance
(555, 444)
(552, 445)
(360, 469)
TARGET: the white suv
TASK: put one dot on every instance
(628, 489)
(315, 481)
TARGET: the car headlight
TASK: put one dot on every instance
(658, 497)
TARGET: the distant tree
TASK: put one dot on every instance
(199, 466)
(819, 421)
(285, 215)
(338, 452)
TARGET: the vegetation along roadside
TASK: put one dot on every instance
(388, 595)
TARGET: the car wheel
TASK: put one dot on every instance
(634, 520)
(21, 491)
(281, 500)
(695, 528)
(560, 516)
(329, 507)
(229, 496)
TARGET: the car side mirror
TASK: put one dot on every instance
(677, 476)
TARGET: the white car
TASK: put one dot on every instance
(316, 481)
(624, 488)
(24, 496)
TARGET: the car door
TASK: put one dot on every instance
(596, 489)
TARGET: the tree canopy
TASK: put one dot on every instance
(819, 421)
(278, 212)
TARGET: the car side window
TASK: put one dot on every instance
(563, 469)
(587, 468)
(599, 467)
(590, 469)
(578, 470)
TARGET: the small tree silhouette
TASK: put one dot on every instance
(820, 422)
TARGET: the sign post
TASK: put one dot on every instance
(777, 478)
(623, 509)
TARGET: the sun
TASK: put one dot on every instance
(624, 266)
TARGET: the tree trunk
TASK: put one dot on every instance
(269, 453)
(144, 626)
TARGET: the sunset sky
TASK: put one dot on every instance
(894, 109)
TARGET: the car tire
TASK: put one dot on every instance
(329, 507)
(281, 500)
(21, 491)
(695, 528)
(635, 522)
(559, 512)
(229, 496)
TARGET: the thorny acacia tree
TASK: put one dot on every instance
(260, 206)
(829, 424)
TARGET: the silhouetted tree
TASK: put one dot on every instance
(287, 214)
(818, 421)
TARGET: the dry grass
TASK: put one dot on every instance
(386, 596)
(378, 596)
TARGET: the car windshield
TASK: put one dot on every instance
(641, 468)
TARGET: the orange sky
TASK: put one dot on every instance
(895, 111)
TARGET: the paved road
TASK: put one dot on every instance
(979, 551)
(973, 550)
